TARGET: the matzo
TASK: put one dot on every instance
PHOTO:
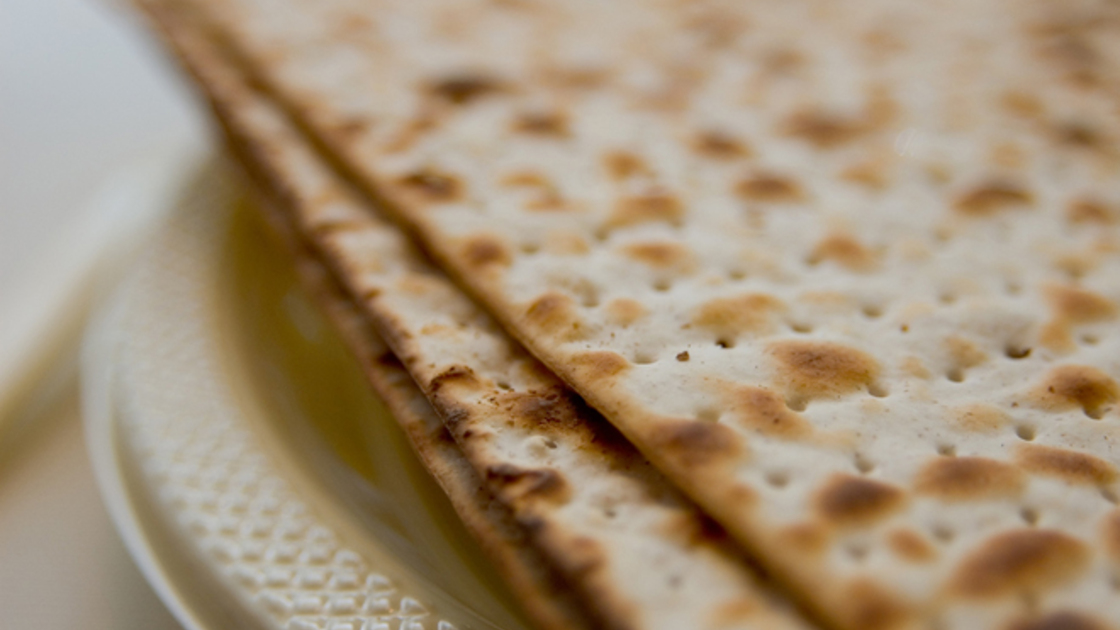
(846, 272)
(641, 555)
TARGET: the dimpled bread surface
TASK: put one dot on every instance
(847, 273)
(637, 552)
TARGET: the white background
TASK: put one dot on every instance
(84, 92)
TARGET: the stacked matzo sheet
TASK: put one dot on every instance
(845, 273)
(616, 537)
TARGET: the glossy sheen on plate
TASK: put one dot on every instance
(847, 273)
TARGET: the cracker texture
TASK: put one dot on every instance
(883, 236)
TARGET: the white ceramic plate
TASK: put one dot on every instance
(254, 477)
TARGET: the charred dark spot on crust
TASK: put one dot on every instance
(458, 374)
(720, 146)
(692, 443)
(988, 199)
(553, 312)
(845, 251)
(750, 313)
(815, 368)
(646, 208)
(543, 124)
(1026, 560)
(968, 478)
(870, 607)
(433, 185)
(1069, 465)
(1079, 306)
(660, 255)
(911, 546)
(462, 89)
(1090, 211)
(1110, 534)
(484, 250)
(599, 364)
(824, 130)
(769, 188)
(529, 483)
(847, 500)
(683, 356)
(1061, 620)
(1071, 386)
(766, 412)
(624, 165)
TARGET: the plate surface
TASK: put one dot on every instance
(253, 475)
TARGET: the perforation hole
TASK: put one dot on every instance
(610, 512)
(877, 390)
(736, 274)
(955, 375)
(777, 478)
(943, 533)
(797, 403)
(947, 450)
(530, 248)
(863, 465)
(1025, 432)
(1012, 287)
(1108, 494)
(947, 297)
(857, 551)
(1029, 515)
(1016, 352)
(662, 285)
(505, 386)
(1090, 340)
(872, 311)
(801, 327)
(550, 443)
(645, 358)
(725, 343)
(1096, 413)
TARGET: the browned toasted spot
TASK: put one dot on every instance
(459, 375)
(911, 546)
(528, 179)
(485, 250)
(1056, 335)
(1110, 534)
(552, 311)
(530, 483)
(766, 412)
(623, 165)
(1022, 104)
(1079, 306)
(821, 368)
(769, 188)
(1021, 560)
(1090, 211)
(847, 500)
(693, 443)
(463, 89)
(1069, 465)
(1060, 620)
(599, 364)
(872, 174)
(824, 129)
(552, 124)
(720, 146)
(980, 418)
(808, 538)
(869, 606)
(433, 185)
(735, 612)
(988, 199)
(751, 313)
(968, 478)
(565, 243)
(1071, 386)
(964, 353)
(1078, 134)
(661, 255)
(624, 311)
(645, 209)
(914, 367)
(845, 251)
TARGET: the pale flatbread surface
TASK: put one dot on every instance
(641, 555)
(846, 272)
